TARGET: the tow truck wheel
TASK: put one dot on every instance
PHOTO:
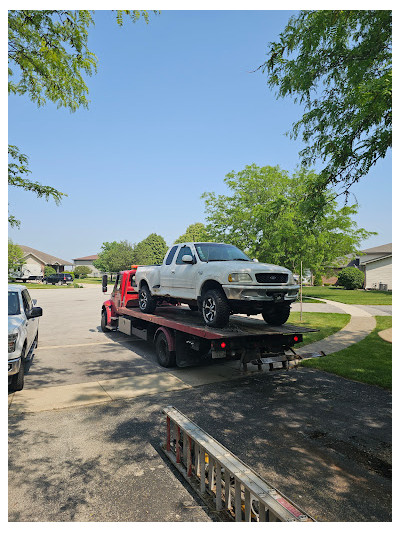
(103, 324)
(164, 356)
(215, 309)
(276, 314)
(147, 304)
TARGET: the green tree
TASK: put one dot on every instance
(265, 217)
(351, 278)
(338, 64)
(82, 271)
(48, 60)
(115, 256)
(194, 233)
(48, 270)
(15, 258)
(150, 250)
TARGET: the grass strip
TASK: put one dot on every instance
(368, 361)
(327, 323)
(356, 297)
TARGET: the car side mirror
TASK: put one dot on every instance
(35, 312)
(187, 259)
(104, 283)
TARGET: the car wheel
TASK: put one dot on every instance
(147, 304)
(215, 309)
(165, 357)
(276, 314)
(17, 381)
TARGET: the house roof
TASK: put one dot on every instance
(383, 249)
(87, 258)
(47, 259)
(377, 259)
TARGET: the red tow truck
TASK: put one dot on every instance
(182, 339)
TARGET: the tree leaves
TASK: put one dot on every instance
(338, 64)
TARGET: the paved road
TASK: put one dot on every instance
(324, 441)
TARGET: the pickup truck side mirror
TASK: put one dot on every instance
(34, 312)
(104, 283)
(187, 259)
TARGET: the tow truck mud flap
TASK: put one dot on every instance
(187, 352)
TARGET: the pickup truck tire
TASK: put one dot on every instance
(164, 356)
(17, 381)
(276, 314)
(147, 304)
(215, 308)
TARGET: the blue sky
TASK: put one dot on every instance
(174, 107)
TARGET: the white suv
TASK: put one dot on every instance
(23, 333)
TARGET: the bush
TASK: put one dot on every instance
(48, 270)
(82, 271)
(351, 278)
(318, 280)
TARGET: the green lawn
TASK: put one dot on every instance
(368, 361)
(43, 286)
(359, 297)
(326, 323)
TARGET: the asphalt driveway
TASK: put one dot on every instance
(323, 441)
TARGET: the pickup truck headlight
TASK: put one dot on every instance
(237, 277)
(291, 280)
(12, 341)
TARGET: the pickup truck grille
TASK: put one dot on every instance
(271, 277)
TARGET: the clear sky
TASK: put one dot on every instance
(175, 106)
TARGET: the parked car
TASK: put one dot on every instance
(59, 279)
(23, 333)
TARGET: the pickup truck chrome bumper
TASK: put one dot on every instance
(261, 294)
(14, 366)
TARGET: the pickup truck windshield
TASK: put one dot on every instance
(13, 303)
(210, 251)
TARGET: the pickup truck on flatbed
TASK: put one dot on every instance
(181, 338)
(219, 280)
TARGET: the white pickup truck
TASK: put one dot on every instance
(219, 280)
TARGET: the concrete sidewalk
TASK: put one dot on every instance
(360, 325)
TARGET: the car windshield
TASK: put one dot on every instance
(210, 251)
(13, 303)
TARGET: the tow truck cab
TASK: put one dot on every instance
(124, 294)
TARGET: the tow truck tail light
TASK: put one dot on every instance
(223, 345)
(296, 338)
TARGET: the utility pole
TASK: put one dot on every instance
(301, 291)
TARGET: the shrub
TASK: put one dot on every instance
(351, 278)
(48, 270)
(318, 280)
(82, 271)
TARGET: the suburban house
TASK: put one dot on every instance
(35, 261)
(88, 261)
(376, 263)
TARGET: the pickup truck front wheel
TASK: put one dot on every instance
(276, 314)
(147, 304)
(17, 381)
(215, 309)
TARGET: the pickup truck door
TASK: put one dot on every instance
(116, 293)
(31, 323)
(167, 271)
(184, 282)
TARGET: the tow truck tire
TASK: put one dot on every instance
(215, 309)
(165, 357)
(277, 314)
(103, 323)
(147, 304)
(17, 381)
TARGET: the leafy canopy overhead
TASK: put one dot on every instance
(338, 64)
(48, 57)
(265, 216)
(15, 257)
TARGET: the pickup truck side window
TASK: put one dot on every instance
(117, 285)
(171, 254)
(185, 250)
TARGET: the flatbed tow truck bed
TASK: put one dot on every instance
(182, 338)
